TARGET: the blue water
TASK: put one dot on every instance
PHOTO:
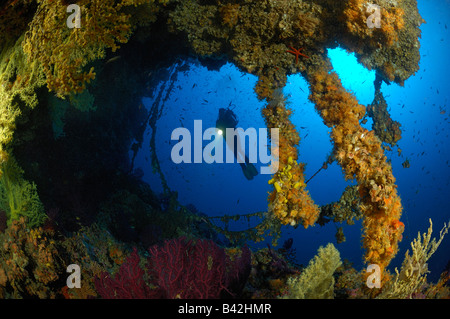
(420, 106)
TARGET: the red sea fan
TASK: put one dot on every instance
(180, 268)
(198, 269)
(127, 283)
(188, 270)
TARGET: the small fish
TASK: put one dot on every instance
(406, 164)
(288, 243)
(117, 57)
(195, 84)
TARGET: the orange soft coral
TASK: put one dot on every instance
(356, 15)
(230, 14)
(361, 156)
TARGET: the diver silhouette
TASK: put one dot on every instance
(227, 119)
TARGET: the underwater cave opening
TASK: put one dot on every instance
(218, 189)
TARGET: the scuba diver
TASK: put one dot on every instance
(227, 119)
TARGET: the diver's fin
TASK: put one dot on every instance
(252, 169)
(249, 170)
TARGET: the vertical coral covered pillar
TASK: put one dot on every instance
(361, 156)
(289, 202)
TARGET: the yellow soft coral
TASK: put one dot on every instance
(64, 53)
(316, 281)
(412, 277)
(19, 81)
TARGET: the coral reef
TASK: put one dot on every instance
(105, 212)
(30, 265)
(270, 272)
(96, 251)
